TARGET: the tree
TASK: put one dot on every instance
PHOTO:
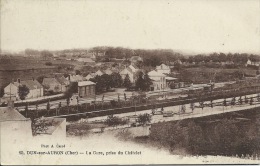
(1, 92)
(233, 101)
(201, 104)
(211, 103)
(139, 85)
(73, 88)
(246, 100)
(225, 102)
(114, 121)
(127, 83)
(40, 125)
(48, 64)
(147, 82)
(192, 106)
(77, 72)
(23, 91)
(117, 80)
(46, 54)
(125, 96)
(251, 101)
(48, 107)
(240, 100)
(144, 119)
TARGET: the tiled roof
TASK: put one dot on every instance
(48, 81)
(31, 84)
(62, 80)
(85, 83)
(155, 74)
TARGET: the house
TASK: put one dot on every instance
(252, 63)
(90, 75)
(108, 71)
(163, 69)
(249, 62)
(135, 59)
(64, 83)
(55, 129)
(75, 78)
(51, 84)
(131, 71)
(99, 73)
(158, 80)
(35, 88)
(86, 89)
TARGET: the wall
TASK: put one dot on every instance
(12, 130)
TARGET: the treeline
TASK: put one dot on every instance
(222, 57)
(154, 57)
(43, 53)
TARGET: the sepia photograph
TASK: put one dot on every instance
(105, 82)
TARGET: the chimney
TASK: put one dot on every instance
(18, 80)
(33, 78)
(69, 77)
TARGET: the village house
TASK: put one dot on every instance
(75, 78)
(99, 73)
(158, 80)
(64, 83)
(252, 63)
(90, 76)
(163, 69)
(35, 88)
(131, 71)
(51, 84)
(86, 89)
(108, 71)
(56, 84)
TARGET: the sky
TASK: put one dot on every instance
(198, 26)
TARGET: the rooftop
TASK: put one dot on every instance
(9, 114)
(85, 83)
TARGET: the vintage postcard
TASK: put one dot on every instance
(103, 82)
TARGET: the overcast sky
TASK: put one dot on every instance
(198, 25)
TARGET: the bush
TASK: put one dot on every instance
(48, 64)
